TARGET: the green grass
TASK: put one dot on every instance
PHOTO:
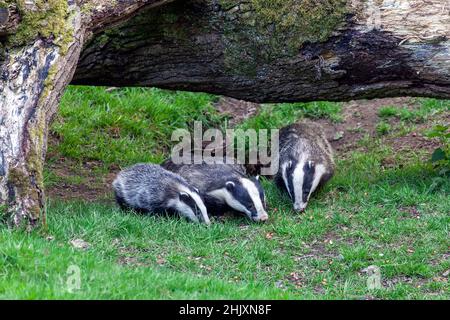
(130, 125)
(426, 109)
(126, 126)
(369, 214)
(120, 127)
(383, 128)
(279, 115)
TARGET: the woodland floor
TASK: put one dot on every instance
(386, 207)
(359, 120)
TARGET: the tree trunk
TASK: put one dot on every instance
(34, 76)
(37, 62)
(256, 50)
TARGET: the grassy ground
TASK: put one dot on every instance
(128, 125)
(379, 210)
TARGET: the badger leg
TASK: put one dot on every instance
(280, 183)
(121, 203)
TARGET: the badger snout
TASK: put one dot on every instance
(300, 207)
(203, 218)
(261, 217)
(206, 221)
(200, 219)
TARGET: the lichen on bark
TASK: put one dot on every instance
(42, 18)
(26, 180)
(276, 28)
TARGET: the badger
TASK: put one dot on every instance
(305, 161)
(149, 188)
(224, 186)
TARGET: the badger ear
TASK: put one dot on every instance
(184, 196)
(257, 177)
(311, 164)
(196, 190)
(230, 185)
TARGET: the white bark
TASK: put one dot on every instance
(33, 79)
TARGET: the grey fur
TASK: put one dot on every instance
(210, 178)
(304, 140)
(150, 188)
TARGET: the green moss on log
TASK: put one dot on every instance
(303, 20)
(260, 31)
(46, 19)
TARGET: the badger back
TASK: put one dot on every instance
(305, 161)
(145, 187)
(306, 139)
(150, 188)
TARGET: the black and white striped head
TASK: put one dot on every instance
(301, 178)
(245, 195)
(188, 203)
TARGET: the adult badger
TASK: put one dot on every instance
(305, 161)
(224, 186)
(149, 188)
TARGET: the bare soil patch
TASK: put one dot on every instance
(90, 186)
(237, 110)
(360, 119)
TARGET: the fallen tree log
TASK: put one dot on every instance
(255, 50)
(286, 51)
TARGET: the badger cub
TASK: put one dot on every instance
(151, 189)
(305, 161)
(224, 186)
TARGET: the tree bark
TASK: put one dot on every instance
(34, 74)
(255, 50)
(379, 49)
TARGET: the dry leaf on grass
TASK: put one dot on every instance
(80, 244)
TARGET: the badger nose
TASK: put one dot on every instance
(262, 218)
(206, 221)
(299, 208)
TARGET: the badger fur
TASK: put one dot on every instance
(224, 186)
(305, 161)
(151, 189)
